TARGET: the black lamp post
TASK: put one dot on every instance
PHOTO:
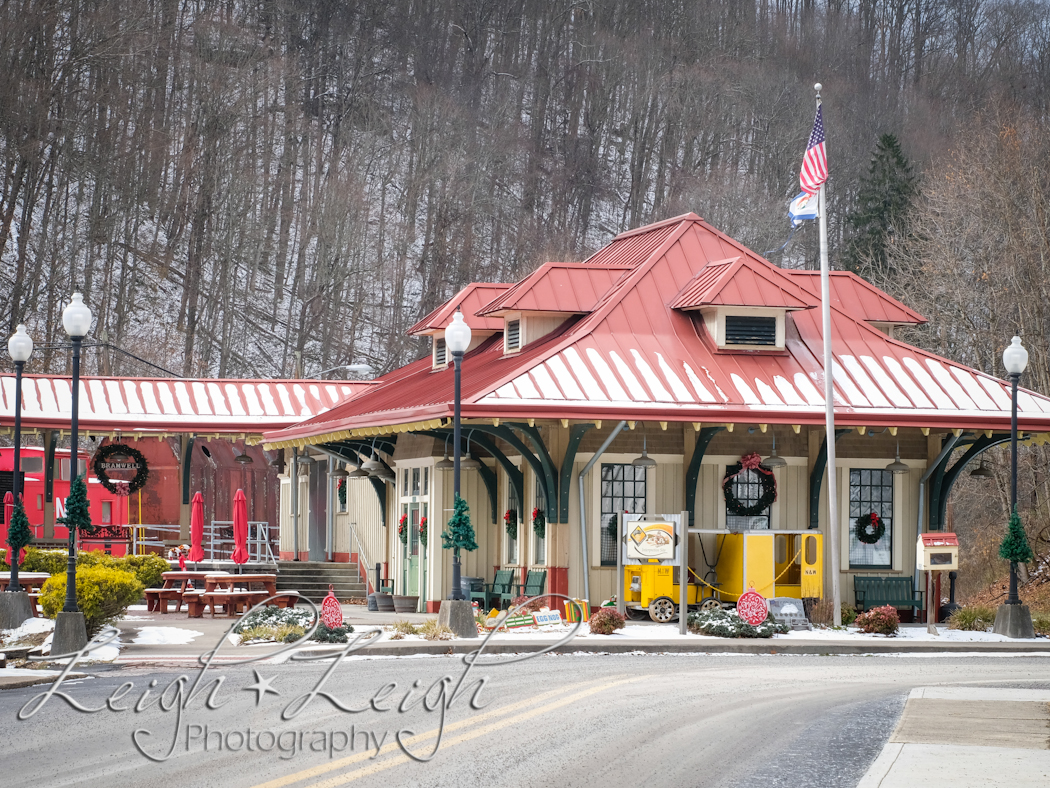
(1015, 359)
(457, 340)
(76, 319)
(20, 346)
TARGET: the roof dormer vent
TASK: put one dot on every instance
(751, 330)
(513, 335)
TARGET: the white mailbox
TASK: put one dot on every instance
(937, 552)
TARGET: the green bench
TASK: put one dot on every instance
(872, 592)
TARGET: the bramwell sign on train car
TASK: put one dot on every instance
(651, 540)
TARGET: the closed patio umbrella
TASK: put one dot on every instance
(197, 528)
(240, 528)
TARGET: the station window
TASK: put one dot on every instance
(512, 544)
(623, 491)
(871, 491)
(32, 464)
(107, 512)
(539, 555)
(63, 468)
(747, 487)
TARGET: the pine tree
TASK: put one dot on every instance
(78, 515)
(460, 532)
(18, 534)
(1015, 547)
(881, 216)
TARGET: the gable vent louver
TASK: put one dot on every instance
(440, 353)
(513, 334)
(744, 330)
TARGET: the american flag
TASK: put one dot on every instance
(815, 162)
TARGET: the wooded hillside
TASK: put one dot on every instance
(240, 185)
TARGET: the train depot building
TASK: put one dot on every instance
(673, 343)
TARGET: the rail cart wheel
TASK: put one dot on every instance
(710, 604)
(662, 609)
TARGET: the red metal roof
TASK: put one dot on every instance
(469, 300)
(940, 539)
(859, 297)
(742, 281)
(558, 287)
(172, 405)
(634, 357)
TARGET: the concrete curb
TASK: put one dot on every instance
(389, 649)
(16, 682)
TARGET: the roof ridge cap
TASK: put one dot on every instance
(648, 228)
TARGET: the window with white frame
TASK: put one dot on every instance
(747, 488)
(623, 491)
(513, 506)
(539, 549)
(871, 491)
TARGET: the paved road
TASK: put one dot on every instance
(616, 720)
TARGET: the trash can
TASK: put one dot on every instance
(466, 583)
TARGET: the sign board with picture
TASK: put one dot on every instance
(653, 539)
(546, 618)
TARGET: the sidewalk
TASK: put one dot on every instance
(967, 737)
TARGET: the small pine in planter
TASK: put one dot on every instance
(606, 620)
(879, 620)
(324, 634)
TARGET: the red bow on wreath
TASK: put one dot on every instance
(751, 462)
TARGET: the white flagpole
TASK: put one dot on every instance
(829, 404)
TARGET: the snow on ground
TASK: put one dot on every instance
(165, 636)
(30, 626)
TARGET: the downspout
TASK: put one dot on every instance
(583, 509)
(948, 447)
(329, 513)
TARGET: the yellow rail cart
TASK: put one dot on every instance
(773, 563)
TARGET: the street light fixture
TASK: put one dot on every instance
(20, 346)
(457, 340)
(1015, 359)
(76, 320)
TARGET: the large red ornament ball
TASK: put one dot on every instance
(331, 614)
(752, 607)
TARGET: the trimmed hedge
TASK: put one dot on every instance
(104, 594)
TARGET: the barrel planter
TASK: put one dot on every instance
(405, 604)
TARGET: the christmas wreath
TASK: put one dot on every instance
(136, 462)
(423, 532)
(402, 529)
(870, 528)
(511, 519)
(749, 462)
(341, 488)
(539, 523)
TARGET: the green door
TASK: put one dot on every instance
(413, 548)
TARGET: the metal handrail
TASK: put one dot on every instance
(361, 552)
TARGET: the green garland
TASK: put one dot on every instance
(341, 488)
(511, 519)
(423, 532)
(869, 528)
(539, 523)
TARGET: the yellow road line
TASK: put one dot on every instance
(473, 734)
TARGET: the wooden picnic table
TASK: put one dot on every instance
(221, 589)
(31, 582)
(175, 586)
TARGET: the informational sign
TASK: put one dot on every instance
(649, 540)
(547, 618)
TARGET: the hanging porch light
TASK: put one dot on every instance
(645, 461)
(897, 467)
(774, 460)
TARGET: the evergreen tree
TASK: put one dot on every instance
(460, 532)
(78, 515)
(18, 534)
(881, 216)
(1015, 547)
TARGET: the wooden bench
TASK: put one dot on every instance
(153, 598)
(872, 592)
(33, 597)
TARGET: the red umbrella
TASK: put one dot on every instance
(240, 528)
(197, 528)
(9, 512)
